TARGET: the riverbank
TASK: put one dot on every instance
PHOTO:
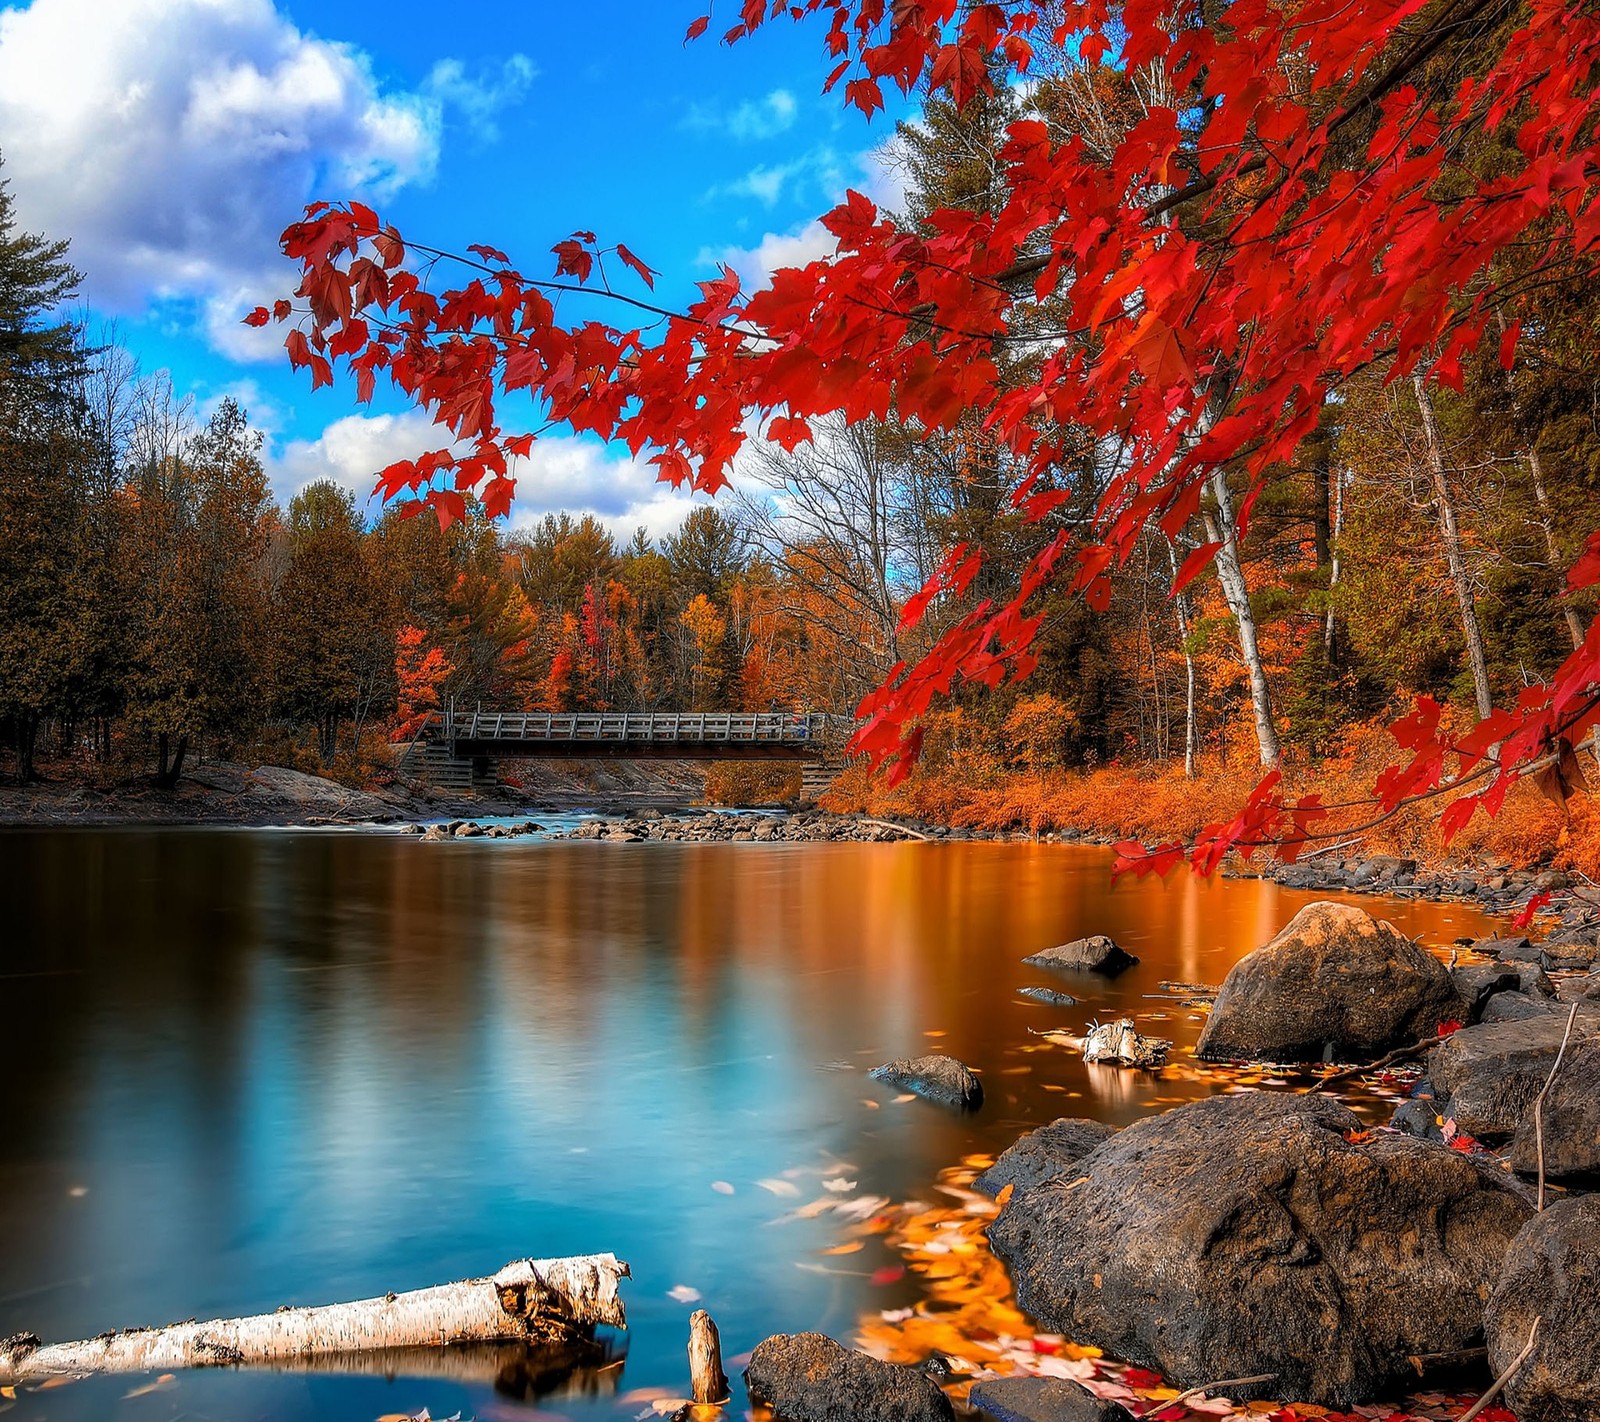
(973, 788)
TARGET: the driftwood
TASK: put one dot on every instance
(535, 1301)
(1119, 1045)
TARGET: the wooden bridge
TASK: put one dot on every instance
(459, 749)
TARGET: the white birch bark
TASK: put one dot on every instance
(1450, 536)
(529, 1300)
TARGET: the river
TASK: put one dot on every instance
(245, 1068)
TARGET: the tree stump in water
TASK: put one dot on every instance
(709, 1384)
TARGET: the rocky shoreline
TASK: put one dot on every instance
(1311, 1258)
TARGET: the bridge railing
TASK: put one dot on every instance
(759, 727)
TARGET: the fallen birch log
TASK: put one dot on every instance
(529, 1301)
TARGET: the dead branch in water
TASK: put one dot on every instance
(529, 1301)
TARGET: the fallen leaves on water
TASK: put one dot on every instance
(966, 1313)
(422, 1416)
(161, 1384)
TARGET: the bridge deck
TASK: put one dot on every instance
(632, 735)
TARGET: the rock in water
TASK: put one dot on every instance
(1050, 995)
(1486, 1077)
(1335, 985)
(1095, 954)
(1246, 1234)
(807, 1377)
(1044, 1154)
(1552, 1273)
(1571, 1122)
(1044, 1400)
(939, 1078)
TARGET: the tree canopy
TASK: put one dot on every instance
(1227, 216)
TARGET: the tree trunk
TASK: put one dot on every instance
(1547, 527)
(530, 1300)
(26, 735)
(1450, 535)
(1222, 527)
(169, 763)
(1191, 730)
(1330, 640)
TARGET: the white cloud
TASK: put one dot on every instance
(579, 476)
(564, 472)
(480, 98)
(173, 140)
(351, 451)
(755, 265)
(876, 176)
(753, 120)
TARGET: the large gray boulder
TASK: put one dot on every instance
(1252, 1234)
(1334, 985)
(1552, 1273)
(1476, 983)
(1043, 1400)
(1094, 954)
(1043, 1154)
(1487, 1076)
(807, 1377)
(936, 1077)
(1571, 1117)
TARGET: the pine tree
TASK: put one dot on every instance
(38, 354)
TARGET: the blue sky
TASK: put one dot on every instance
(172, 140)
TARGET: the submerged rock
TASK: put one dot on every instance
(937, 1077)
(1095, 954)
(807, 1377)
(1334, 985)
(1552, 1273)
(1044, 1154)
(1243, 1235)
(1050, 995)
(1044, 1400)
(1571, 1121)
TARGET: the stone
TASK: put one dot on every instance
(1334, 985)
(1260, 1233)
(1420, 1118)
(1508, 950)
(1478, 982)
(1558, 957)
(1552, 1273)
(1571, 1121)
(1043, 1400)
(936, 1077)
(1487, 1076)
(1044, 1154)
(1050, 995)
(1095, 954)
(807, 1377)
(1517, 1007)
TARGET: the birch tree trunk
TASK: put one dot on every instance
(1222, 527)
(1547, 527)
(1191, 730)
(530, 1300)
(1450, 535)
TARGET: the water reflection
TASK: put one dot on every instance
(247, 1069)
